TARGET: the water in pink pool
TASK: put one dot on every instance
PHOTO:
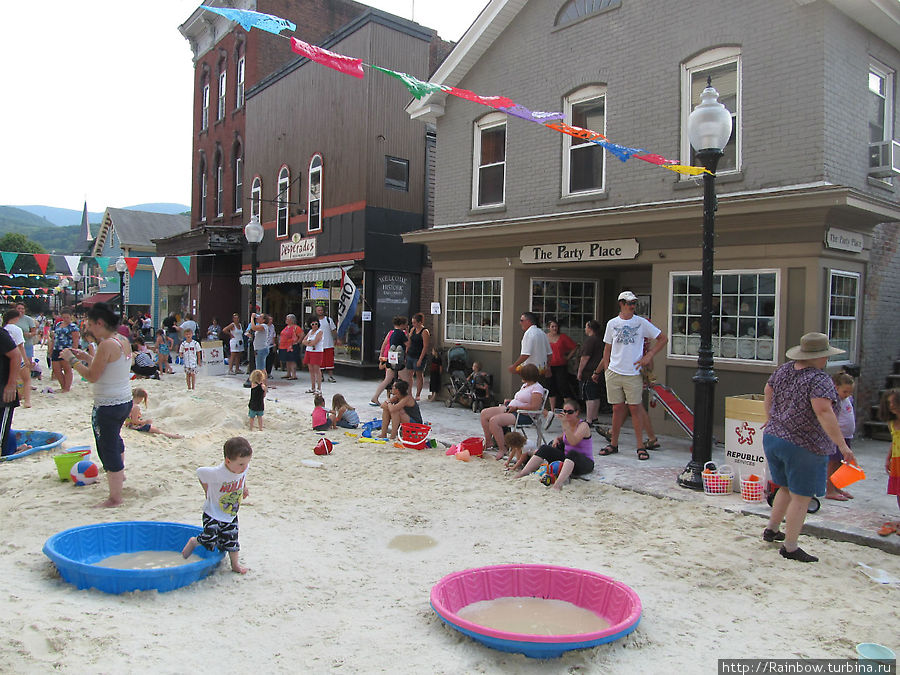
(533, 616)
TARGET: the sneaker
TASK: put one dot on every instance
(772, 535)
(797, 554)
(331, 378)
(154, 376)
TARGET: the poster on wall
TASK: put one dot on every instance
(393, 297)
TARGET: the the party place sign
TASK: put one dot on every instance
(582, 251)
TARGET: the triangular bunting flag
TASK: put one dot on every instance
(9, 259)
(185, 261)
(72, 261)
(42, 260)
(102, 261)
(158, 262)
(132, 266)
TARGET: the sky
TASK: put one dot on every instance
(98, 97)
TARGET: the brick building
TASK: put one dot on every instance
(806, 232)
(337, 173)
(229, 61)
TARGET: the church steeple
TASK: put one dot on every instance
(85, 225)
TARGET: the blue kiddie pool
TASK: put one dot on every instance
(75, 552)
(38, 440)
(609, 599)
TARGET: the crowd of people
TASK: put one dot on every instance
(811, 421)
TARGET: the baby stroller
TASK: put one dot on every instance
(458, 390)
(468, 389)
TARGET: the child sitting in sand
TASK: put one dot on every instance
(342, 414)
(224, 486)
(192, 355)
(139, 398)
(257, 405)
(515, 443)
(400, 408)
(320, 419)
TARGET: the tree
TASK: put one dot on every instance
(13, 241)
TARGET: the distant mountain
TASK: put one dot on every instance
(65, 217)
(65, 239)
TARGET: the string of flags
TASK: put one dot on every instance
(9, 259)
(354, 67)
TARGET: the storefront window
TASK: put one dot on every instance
(843, 313)
(571, 302)
(473, 310)
(744, 315)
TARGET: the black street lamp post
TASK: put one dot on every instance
(76, 278)
(709, 128)
(254, 232)
(121, 268)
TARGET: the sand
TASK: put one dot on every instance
(327, 593)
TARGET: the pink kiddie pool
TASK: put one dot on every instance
(606, 597)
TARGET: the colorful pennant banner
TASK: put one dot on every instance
(419, 89)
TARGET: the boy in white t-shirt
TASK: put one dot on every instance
(623, 358)
(225, 486)
(192, 356)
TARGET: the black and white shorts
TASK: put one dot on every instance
(217, 534)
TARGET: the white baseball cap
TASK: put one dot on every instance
(627, 296)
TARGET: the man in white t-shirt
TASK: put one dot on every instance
(535, 344)
(329, 332)
(623, 358)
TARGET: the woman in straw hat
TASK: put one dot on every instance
(802, 431)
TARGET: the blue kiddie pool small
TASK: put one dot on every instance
(610, 599)
(75, 551)
(38, 440)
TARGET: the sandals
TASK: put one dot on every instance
(643, 454)
(887, 529)
(609, 450)
(652, 445)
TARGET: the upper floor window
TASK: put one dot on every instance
(203, 190)
(489, 172)
(222, 78)
(723, 66)
(204, 107)
(256, 197)
(396, 173)
(220, 186)
(584, 162)
(239, 80)
(284, 200)
(238, 184)
(578, 9)
(314, 219)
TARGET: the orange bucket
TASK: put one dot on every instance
(847, 474)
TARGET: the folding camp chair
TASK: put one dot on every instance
(533, 418)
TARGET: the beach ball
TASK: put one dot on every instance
(84, 472)
(552, 473)
(323, 447)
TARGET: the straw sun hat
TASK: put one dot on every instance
(812, 346)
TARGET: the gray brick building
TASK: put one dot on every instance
(806, 234)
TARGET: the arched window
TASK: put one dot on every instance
(202, 190)
(283, 200)
(238, 167)
(583, 161)
(256, 197)
(314, 219)
(239, 82)
(220, 183)
(578, 9)
(204, 104)
(223, 78)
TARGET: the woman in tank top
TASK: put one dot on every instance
(110, 371)
(574, 448)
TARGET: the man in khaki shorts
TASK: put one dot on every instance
(623, 358)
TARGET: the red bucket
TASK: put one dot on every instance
(414, 435)
(475, 446)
